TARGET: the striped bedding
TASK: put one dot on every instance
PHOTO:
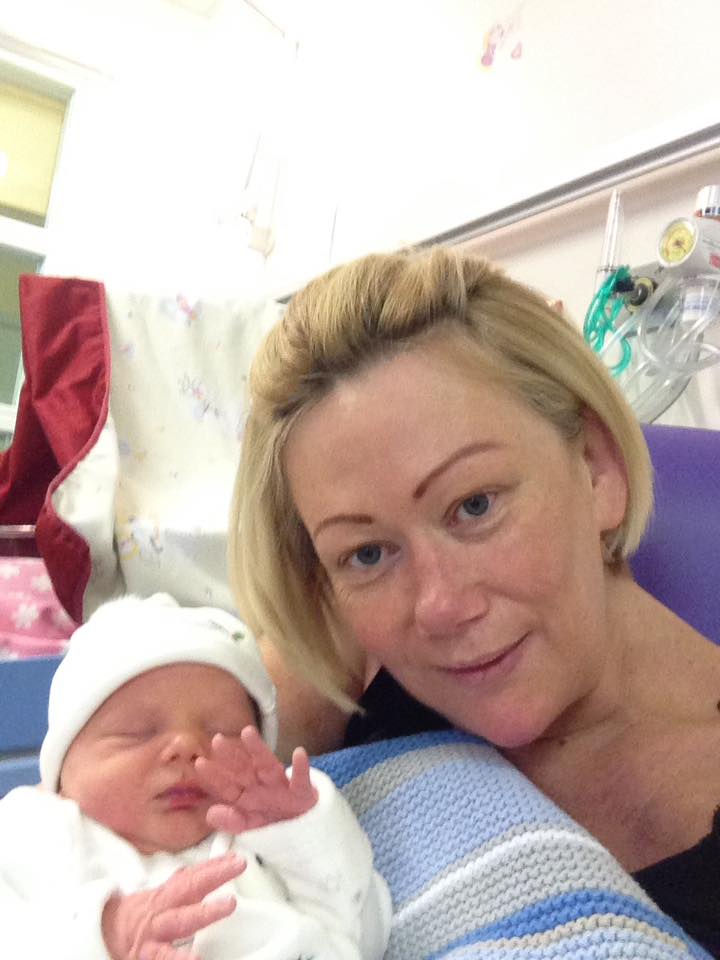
(481, 864)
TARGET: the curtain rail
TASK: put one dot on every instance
(675, 151)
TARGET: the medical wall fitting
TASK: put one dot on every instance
(658, 324)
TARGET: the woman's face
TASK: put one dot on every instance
(460, 535)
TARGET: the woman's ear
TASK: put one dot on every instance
(606, 470)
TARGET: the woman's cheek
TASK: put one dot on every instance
(341, 595)
(377, 625)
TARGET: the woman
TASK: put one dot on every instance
(440, 479)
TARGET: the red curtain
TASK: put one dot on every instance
(62, 408)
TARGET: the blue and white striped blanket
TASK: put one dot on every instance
(481, 864)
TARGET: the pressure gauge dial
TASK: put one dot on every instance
(677, 242)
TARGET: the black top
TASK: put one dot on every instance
(686, 887)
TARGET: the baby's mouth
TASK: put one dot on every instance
(183, 796)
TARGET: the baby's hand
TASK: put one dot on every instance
(251, 783)
(144, 926)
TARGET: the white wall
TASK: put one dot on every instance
(385, 129)
(405, 134)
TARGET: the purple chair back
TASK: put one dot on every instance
(679, 559)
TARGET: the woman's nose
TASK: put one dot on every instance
(449, 594)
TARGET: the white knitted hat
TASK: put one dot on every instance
(127, 637)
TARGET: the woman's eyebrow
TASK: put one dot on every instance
(469, 450)
(342, 518)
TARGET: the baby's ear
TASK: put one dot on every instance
(606, 468)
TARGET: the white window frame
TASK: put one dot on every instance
(48, 74)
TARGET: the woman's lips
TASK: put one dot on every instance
(493, 666)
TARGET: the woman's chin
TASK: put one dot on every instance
(508, 732)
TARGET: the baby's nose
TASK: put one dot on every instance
(187, 745)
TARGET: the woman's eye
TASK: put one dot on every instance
(475, 506)
(368, 555)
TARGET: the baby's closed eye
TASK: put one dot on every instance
(133, 733)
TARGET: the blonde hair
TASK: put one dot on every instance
(348, 319)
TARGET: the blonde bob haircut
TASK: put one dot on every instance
(354, 316)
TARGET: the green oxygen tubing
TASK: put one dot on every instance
(602, 315)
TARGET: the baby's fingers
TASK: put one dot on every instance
(300, 771)
(303, 792)
(220, 781)
(231, 752)
(177, 923)
(268, 769)
(187, 887)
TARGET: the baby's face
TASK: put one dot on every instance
(131, 767)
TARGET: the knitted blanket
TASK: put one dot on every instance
(481, 864)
